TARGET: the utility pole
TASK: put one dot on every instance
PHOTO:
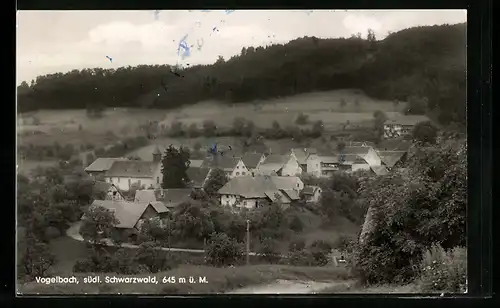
(248, 242)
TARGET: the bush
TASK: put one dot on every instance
(223, 250)
(343, 242)
(320, 251)
(52, 233)
(302, 119)
(296, 224)
(269, 250)
(301, 258)
(442, 271)
(297, 244)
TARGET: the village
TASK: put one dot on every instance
(254, 180)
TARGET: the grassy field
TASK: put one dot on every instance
(63, 125)
(74, 127)
(219, 280)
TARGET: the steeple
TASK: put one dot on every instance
(156, 154)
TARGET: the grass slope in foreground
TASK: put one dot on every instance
(219, 280)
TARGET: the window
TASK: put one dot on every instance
(139, 183)
(129, 184)
(157, 180)
(237, 173)
(243, 173)
(298, 185)
(118, 180)
(244, 203)
(237, 167)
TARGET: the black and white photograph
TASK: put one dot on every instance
(167, 152)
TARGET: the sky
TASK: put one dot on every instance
(59, 41)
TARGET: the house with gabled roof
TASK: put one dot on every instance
(124, 174)
(256, 191)
(402, 125)
(130, 215)
(252, 160)
(392, 159)
(100, 166)
(280, 165)
(302, 155)
(106, 191)
(311, 194)
(367, 153)
(232, 166)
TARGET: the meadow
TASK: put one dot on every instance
(74, 127)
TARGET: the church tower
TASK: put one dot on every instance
(156, 155)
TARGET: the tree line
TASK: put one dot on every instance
(425, 62)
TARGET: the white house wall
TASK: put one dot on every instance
(291, 168)
(313, 165)
(239, 170)
(123, 183)
(372, 158)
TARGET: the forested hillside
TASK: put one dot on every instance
(423, 61)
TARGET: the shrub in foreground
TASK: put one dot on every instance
(223, 250)
(442, 271)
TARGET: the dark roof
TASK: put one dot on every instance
(131, 168)
(390, 158)
(197, 176)
(127, 213)
(226, 163)
(291, 193)
(174, 196)
(102, 164)
(276, 159)
(360, 150)
(145, 195)
(251, 160)
(303, 153)
(350, 159)
(159, 206)
(258, 186)
(310, 190)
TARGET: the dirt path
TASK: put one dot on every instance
(73, 232)
(289, 287)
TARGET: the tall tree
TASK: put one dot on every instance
(216, 180)
(175, 163)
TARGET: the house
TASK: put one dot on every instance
(256, 191)
(327, 166)
(124, 174)
(130, 215)
(100, 166)
(106, 191)
(197, 177)
(311, 194)
(392, 159)
(232, 166)
(252, 160)
(302, 154)
(402, 125)
(281, 165)
(352, 162)
(367, 153)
